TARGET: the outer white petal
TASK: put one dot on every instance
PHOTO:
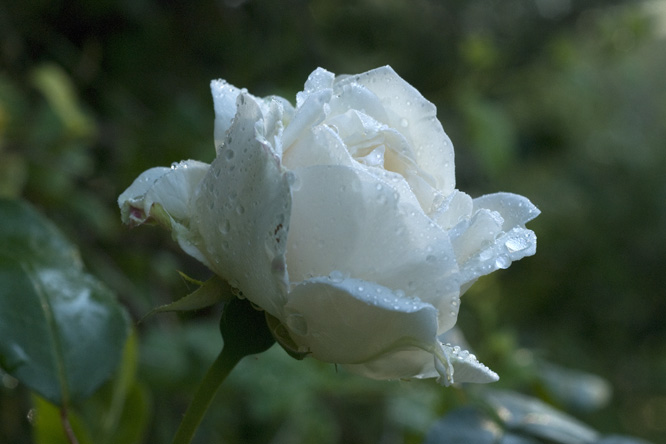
(510, 240)
(466, 368)
(348, 321)
(347, 219)
(165, 195)
(416, 118)
(224, 101)
(515, 209)
(450, 364)
(243, 208)
(131, 201)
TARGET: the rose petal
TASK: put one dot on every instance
(347, 219)
(470, 236)
(450, 364)
(452, 209)
(516, 210)
(353, 97)
(224, 101)
(165, 194)
(495, 237)
(401, 364)
(347, 321)
(172, 188)
(243, 207)
(318, 80)
(508, 247)
(416, 118)
(310, 113)
(131, 202)
(466, 368)
(318, 146)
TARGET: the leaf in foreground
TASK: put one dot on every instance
(61, 330)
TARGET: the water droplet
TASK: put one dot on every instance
(486, 254)
(32, 416)
(174, 165)
(225, 226)
(361, 289)
(240, 209)
(431, 259)
(502, 262)
(404, 123)
(229, 154)
(516, 244)
(399, 293)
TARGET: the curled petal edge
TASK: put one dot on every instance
(456, 366)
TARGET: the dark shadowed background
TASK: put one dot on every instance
(562, 101)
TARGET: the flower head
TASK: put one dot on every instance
(340, 218)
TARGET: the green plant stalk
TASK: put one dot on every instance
(216, 374)
(245, 332)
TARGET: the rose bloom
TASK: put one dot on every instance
(340, 218)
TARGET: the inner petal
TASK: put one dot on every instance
(349, 220)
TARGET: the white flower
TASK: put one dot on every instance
(340, 218)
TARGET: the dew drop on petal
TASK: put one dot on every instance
(225, 226)
(404, 123)
(516, 244)
(502, 262)
(486, 254)
(336, 276)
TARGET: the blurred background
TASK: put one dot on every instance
(563, 101)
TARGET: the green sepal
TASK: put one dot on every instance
(281, 335)
(211, 292)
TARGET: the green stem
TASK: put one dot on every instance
(217, 373)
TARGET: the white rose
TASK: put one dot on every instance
(340, 218)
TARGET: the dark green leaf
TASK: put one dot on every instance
(531, 417)
(61, 330)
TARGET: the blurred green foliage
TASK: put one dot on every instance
(561, 101)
